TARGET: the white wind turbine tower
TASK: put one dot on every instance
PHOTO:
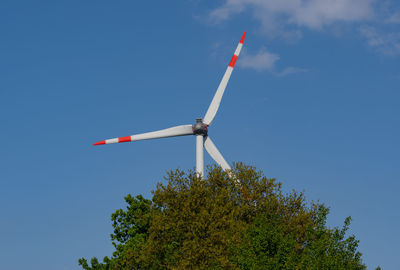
(199, 129)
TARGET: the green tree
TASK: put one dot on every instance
(224, 222)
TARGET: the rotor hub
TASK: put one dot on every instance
(200, 128)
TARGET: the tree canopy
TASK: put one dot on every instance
(228, 220)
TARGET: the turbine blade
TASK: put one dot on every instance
(164, 133)
(215, 154)
(212, 110)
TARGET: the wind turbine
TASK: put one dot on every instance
(199, 129)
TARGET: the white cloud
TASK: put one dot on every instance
(284, 17)
(287, 19)
(264, 60)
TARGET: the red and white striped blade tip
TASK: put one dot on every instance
(115, 140)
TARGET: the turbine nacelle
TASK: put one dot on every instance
(200, 128)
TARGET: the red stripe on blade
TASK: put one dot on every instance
(243, 37)
(124, 139)
(99, 143)
(233, 61)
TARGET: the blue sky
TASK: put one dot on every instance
(313, 101)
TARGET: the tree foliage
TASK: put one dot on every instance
(235, 220)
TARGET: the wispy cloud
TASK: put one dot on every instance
(393, 18)
(290, 70)
(266, 61)
(287, 19)
(260, 61)
(387, 43)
